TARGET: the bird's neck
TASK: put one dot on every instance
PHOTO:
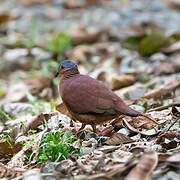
(70, 73)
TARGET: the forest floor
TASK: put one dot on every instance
(132, 46)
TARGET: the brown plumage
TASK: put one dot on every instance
(88, 100)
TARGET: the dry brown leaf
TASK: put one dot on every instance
(102, 76)
(164, 68)
(80, 53)
(32, 2)
(118, 138)
(107, 131)
(4, 18)
(120, 81)
(71, 4)
(81, 35)
(18, 160)
(25, 123)
(144, 168)
(168, 68)
(168, 135)
(143, 122)
(163, 92)
(37, 121)
(6, 172)
(8, 148)
(172, 48)
(175, 4)
(63, 109)
(150, 132)
(175, 112)
(35, 85)
(141, 28)
(117, 123)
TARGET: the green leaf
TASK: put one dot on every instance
(132, 42)
(2, 93)
(153, 42)
(53, 105)
(30, 97)
(59, 42)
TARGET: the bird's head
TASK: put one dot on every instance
(66, 65)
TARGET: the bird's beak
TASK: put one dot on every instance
(56, 75)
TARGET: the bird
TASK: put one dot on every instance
(88, 100)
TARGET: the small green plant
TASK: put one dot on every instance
(59, 42)
(143, 78)
(2, 93)
(7, 138)
(4, 116)
(55, 146)
(143, 102)
(38, 104)
(53, 105)
(32, 37)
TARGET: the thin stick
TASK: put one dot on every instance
(164, 107)
(150, 118)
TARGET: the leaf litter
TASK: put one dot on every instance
(133, 60)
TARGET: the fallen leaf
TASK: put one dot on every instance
(167, 135)
(172, 48)
(4, 18)
(150, 132)
(175, 112)
(63, 109)
(120, 81)
(7, 148)
(81, 53)
(175, 4)
(163, 92)
(107, 149)
(72, 4)
(6, 172)
(118, 138)
(144, 168)
(23, 124)
(143, 122)
(168, 68)
(35, 85)
(82, 35)
(107, 131)
(37, 121)
(33, 2)
(142, 28)
(18, 160)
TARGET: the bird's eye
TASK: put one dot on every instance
(62, 67)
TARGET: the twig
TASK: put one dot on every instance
(171, 125)
(150, 118)
(164, 107)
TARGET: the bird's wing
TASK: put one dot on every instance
(87, 95)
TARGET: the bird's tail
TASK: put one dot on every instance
(122, 108)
